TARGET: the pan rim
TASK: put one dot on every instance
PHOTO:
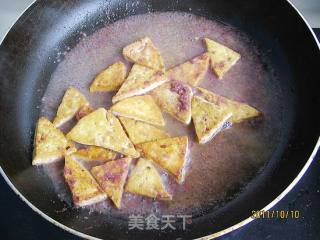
(207, 237)
(306, 22)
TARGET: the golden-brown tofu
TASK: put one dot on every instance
(140, 132)
(174, 97)
(145, 53)
(50, 144)
(240, 111)
(72, 101)
(93, 153)
(142, 108)
(192, 71)
(112, 176)
(84, 189)
(208, 119)
(140, 80)
(100, 128)
(168, 153)
(222, 58)
(145, 180)
(110, 79)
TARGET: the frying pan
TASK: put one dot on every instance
(46, 27)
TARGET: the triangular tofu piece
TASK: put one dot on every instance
(208, 118)
(174, 97)
(141, 108)
(192, 71)
(84, 189)
(93, 153)
(112, 176)
(100, 128)
(168, 153)
(145, 180)
(109, 79)
(240, 111)
(50, 144)
(222, 58)
(72, 101)
(140, 132)
(145, 53)
(140, 81)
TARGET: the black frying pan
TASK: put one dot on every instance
(25, 66)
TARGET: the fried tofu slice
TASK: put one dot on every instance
(222, 58)
(192, 71)
(208, 118)
(140, 132)
(140, 80)
(141, 108)
(169, 153)
(145, 180)
(100, 128)
(144, 53)
(83, 111)
(240, 111)
(110, 79)
(93, 153)
(72, 101)
(112, 176)
(50, 144)
(84, 189)
(174, 97)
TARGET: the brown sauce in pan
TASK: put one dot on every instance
(216, 169)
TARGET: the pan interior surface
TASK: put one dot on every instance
(216, 170)
(70, 44)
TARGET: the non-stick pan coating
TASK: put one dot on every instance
(47, 27)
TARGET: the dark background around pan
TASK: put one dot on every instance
(18, 221)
